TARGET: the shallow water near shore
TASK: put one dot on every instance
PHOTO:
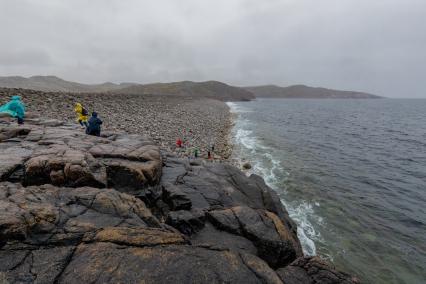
(351, 173)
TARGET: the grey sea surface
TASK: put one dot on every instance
(352, 174)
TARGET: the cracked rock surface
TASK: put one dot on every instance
(114, 209)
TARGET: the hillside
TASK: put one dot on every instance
(302, 91)
(208, 89)
(55, 84)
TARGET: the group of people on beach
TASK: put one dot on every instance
(184, 146)
(16, 108)
(92, 125)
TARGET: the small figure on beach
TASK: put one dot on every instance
(179, 143)
(82, 114)
(94, 127)
(15, 108)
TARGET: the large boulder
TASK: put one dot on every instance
(207, 199)
(274, 242)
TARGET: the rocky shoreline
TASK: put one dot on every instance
(81, 209)
(127, 208)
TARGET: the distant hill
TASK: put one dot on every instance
(209, 89)
(55, 84)
(302, 91)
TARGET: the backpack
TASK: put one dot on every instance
(84, 112)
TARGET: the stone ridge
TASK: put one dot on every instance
(82, 209)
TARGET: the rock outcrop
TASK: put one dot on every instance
(82, 209)
(63, 157)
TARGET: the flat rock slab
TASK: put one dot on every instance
(48, 214)
(64, 155)
(111, 263)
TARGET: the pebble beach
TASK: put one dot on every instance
(200, 122)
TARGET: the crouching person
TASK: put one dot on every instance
(14, 108)
(94, 127)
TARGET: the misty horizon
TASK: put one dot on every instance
(353, 45)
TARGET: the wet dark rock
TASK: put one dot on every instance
(176, 198)
(222, 191)
(111, 263)
(210, 237)
(309, 270)
(247, 166)
(273, 240)
(187, 222)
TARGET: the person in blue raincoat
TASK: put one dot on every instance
(14, 108)
(94, 127)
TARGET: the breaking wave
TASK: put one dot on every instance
(249, 148)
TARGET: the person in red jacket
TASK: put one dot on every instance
(179, 143)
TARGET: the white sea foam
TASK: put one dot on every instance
(306, 232)
(235, 108)
(244, 138)
(265, 164)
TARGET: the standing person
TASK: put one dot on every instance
(94, 127)
(82, 114)
(179, 143)
(14, 108)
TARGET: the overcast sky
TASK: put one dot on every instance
(377, 46)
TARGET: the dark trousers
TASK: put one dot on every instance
(94, 132)
(83, 123)
(20, 120)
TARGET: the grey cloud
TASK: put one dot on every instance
(373, 46)
(29, 57)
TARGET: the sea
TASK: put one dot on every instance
(351, 173)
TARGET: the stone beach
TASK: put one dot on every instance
(164, 118)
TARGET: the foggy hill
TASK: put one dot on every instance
(302, 91)
(208, 89)
(55, 84)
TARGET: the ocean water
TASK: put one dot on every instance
(352, 174)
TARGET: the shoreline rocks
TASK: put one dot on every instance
(150, 216)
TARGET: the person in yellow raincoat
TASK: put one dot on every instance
(82, 114)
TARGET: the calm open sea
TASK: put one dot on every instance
(352, 174)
